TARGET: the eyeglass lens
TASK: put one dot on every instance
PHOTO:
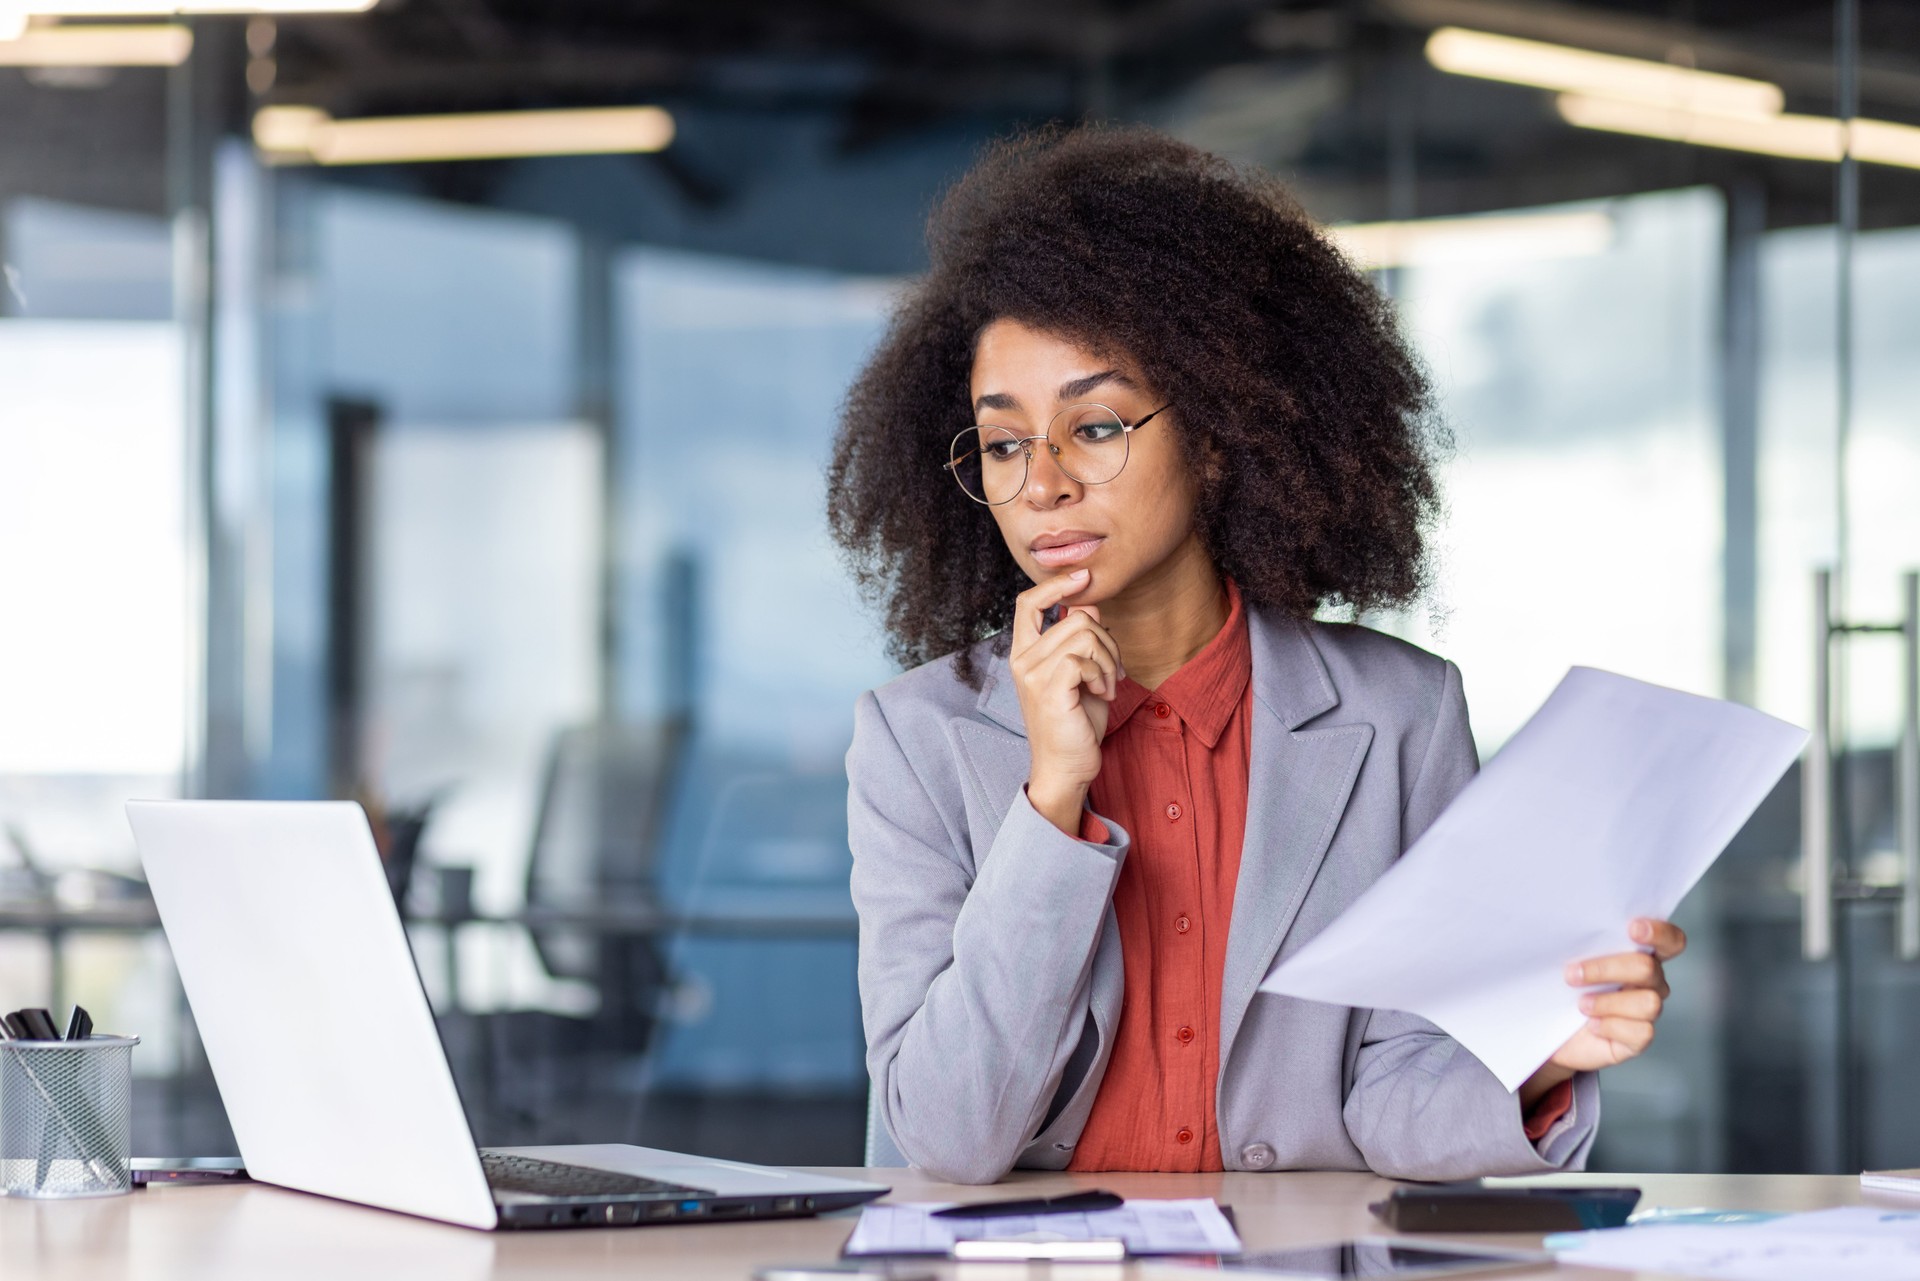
(1089, 443)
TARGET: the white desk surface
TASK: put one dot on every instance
(209, 1233)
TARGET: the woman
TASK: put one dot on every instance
(1138, 391)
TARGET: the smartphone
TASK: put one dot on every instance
(1475, 1207)
(189, 1169)
(1374, 1257)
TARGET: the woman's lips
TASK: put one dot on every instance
(1067, 554)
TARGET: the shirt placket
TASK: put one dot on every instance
(1178, 901)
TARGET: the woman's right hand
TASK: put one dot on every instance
(1066, 676)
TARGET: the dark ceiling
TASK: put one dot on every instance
(1335, 96)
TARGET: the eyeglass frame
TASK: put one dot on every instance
(953, 464)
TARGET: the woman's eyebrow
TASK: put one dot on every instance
(1081, 386)
(1071, 390)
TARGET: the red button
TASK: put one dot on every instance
(1184, 1135)
(1182, 924)
(1173, 811)
(1161, 709)
(1185, 1035)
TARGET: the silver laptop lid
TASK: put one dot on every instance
(304, 989)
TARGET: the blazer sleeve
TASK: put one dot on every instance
(973, 984)
(1421, 1106)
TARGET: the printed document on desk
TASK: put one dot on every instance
(1147, 1227)
(1608, 804)
(1851, 1243)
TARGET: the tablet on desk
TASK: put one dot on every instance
(1394, 1257)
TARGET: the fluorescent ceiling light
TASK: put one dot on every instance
(1796, 137)
(307, 135)
(168, 8)
(97, 46)
(1492, 238)
(1570, 70)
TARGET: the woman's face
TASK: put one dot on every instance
(1119, 530)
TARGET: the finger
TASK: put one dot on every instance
(1095, 668)
(1028, 604)
(1093, 612)
(1628, 1003)
(1068, 633)
(1097, 677)
(1063, 677)
(1629, 1036)
(1631, 969)
(1665, 938)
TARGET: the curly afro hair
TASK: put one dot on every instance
(1308, 422)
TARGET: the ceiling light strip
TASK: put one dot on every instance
(1488, 56)
(173, 8)
(157, 45)
(307, 135)
(1794, 137)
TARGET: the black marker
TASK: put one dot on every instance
(1076, 1203)
(42, 1024)
(79, 1024)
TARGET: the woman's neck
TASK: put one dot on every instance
(1167, 616)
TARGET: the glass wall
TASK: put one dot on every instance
(734, 612)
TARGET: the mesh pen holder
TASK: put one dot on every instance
(66, 1117)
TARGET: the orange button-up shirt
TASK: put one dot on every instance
(1174, 774)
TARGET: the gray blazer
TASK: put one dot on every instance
(990, 973)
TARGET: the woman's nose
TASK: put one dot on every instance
(1047, 484)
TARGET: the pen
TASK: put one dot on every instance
(1075, 1203)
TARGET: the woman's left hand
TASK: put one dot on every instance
(1619, 1024)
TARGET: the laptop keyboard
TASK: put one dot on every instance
(507, 1172)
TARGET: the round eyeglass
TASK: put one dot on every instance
(1088, 442)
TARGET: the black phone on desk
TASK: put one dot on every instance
(189, 1169)
(1380, 1257)
(1473, 1206)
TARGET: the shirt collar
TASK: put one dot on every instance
(1204, 690)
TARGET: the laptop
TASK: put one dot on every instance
(320, 1037)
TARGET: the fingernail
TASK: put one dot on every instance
(1593, 1025)
(1641, 931)
(1586, 1005)
(1078, 573)
(1573, 972)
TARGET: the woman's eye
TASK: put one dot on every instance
(1097, 432)
(1001, 449)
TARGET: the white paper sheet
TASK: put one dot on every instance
(1608, 804)
(1148, 1227)
(1852, 1243)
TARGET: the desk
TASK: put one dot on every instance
(211, 1233)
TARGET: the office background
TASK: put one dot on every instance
(489, 491)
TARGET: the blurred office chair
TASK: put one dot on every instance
(596, 844)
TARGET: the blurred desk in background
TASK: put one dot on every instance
(54, 923)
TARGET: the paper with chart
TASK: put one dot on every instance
(1147, 1227)
(1851, 1243)
(1608, 804)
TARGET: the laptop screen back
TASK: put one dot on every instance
(307, 999)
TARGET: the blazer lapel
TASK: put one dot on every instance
(995, 758)
(1297, 789)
